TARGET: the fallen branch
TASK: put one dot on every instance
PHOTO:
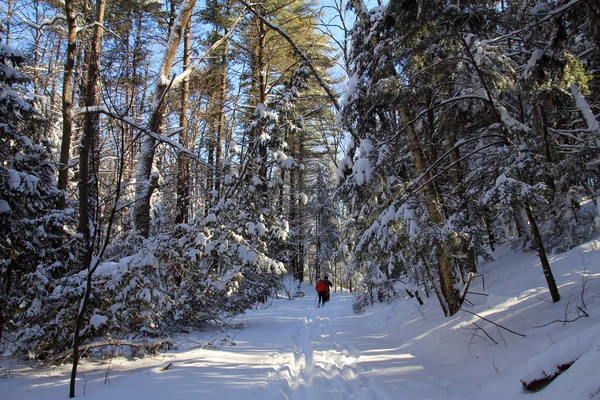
(416, 294)
(485, 333)
(166, 368)
(493, 323)
(465, 290)
(564, 321)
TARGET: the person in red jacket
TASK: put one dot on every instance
(322, 288)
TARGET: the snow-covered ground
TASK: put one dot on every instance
(293, 350)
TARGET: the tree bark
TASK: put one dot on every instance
(67, 101)
(262, 99)
(87, 176)
(144, 185)
(542, 254)
(183, 189)
(432, 204)
(221, 123)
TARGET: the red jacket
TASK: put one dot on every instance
(321, 286)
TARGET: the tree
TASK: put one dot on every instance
(463, 93)
(36, 241)
(67, 100)
(146, 182)
(89, 161)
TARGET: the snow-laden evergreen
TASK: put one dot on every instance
(492, 139)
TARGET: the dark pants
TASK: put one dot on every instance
(322, 298)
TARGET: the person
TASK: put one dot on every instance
(321, 288)
(329, 286)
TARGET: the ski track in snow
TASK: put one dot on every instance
(318, 366)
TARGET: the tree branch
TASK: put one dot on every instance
(493, 323)
(297, 49)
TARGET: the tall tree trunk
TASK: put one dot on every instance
(544, 148)
(293, 219)
(436, 289)
(432, 204)
(183, 178)
(9, 13)
(542, 254)
(262, 99)
(221, 123)
(67, 106)
(145, 183)
(88, 175)
(318, 247)
(301, 208)
(490, 231)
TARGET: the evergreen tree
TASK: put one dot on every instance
(36, 246)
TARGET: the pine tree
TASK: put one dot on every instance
(36, 242)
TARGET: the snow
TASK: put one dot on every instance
(366, 147)
(546, 363)
(531, 63)
(362, 171)
(4, 206)
(350, 92)
(540, 8)
(98, 320)
(584, 108)
(389, 216)
(14, 179)
(509, 121)
(303, 198)
(290, 349)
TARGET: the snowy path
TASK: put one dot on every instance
(318, 365)
(291, 350)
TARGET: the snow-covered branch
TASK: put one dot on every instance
(179, 78)
(143, 128)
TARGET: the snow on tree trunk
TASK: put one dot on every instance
(144, 185)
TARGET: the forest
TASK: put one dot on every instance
(164, 164)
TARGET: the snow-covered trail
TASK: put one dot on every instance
(291, 350)
(313, 363)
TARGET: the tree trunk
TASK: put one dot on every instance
(262, 99)
(490, 232)
(221, 123)
(544, 148)
(293, 220)
(542, 254)
(438, 292)
(183, 189)
(445, 269)
(144, 185)
(87, 176)
(67, 101)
